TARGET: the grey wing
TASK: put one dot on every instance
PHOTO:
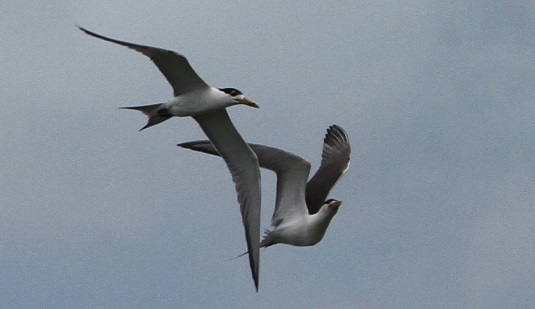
(243, 165)
(292, 174)
(175, 67)
(334, 163)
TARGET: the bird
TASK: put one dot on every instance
(302, 211)
(207, 105)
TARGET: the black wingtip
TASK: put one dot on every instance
(335, 127)
(203, 146)
(87, 31)
(336, 132)
(254, 267)
(187, 145)
(255, 278)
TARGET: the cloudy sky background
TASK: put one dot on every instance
(437, 98)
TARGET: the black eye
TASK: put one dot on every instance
(329, 201)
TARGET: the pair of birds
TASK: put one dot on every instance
(302, 210)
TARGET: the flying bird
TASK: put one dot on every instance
(302, 210)
(207, 105)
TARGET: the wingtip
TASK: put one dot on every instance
(254, 269)
(254, 259)
(146, 126)
(186, 145)
(255, 278)
(84, 29)
(335, 127)
(336, 132)
(192, 144)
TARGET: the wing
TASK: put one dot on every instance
(334, 163)
(175, 67)
(243, 165)
(292, 174)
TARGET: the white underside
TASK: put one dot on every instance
(303, 231)
(198, 102)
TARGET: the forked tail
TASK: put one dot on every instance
(237, 256)
(155, 112)
(266, 242)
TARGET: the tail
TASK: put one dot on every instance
(237, 256)
(266, 242)
(155, 112)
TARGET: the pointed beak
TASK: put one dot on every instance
(248, 102)
(336, 204)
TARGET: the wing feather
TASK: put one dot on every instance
(174, 66)
(243, 166)
(292, 174)
(334, 163)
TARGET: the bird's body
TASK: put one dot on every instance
(207, 105)
(303, 231)
(298, 219)
(187, 104)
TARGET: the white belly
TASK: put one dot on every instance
(198, 102)
(300, 233)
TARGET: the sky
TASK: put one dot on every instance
(437, 98)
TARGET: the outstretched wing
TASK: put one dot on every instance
(334, 163)
(243, 166)
(175, 67)
(292, 174)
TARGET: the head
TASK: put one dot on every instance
(326, 213)
(331, 205)
(237, 96)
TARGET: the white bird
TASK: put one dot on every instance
(302, 210)
(207, 105)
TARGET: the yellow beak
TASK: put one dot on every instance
(336, 204)
(248, 102)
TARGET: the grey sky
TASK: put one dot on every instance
(437, 98)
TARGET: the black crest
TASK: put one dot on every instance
(231, 91)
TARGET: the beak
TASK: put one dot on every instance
(336, 204)
(248, 102)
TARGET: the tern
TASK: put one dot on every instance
(207, 105)
(302, 210)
